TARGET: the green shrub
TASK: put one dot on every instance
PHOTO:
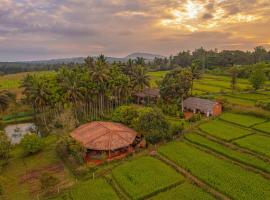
(70, 147)
(31, 143)
(174, 129)
(195, 118)
(169, 109)
(152, 124)
(265, 104)
(125, 114)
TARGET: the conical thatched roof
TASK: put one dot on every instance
(104, 135)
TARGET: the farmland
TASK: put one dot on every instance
(221, 175)
(244, 120)
(223, 130)
(258, 143)
(145, 176)
(265, 127)
(223, 153)
(97, 189)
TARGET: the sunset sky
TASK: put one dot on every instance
(44, 29)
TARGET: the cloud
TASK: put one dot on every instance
(43, 29)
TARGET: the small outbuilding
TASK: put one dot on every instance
(107, 139)
(147, 95)
(204, 106)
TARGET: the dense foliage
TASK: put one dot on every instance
(148, 121)
(70, 148)
(90, 90)
(32, 143)
(48, 181)
(257, 79)
(176, 85)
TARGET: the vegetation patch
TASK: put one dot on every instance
(224, 130)
(265, 127)
(97, 189)
(243, 120)
(257, 143)
(145, 176)
(225, 151)
(185, 191)
(222, 175)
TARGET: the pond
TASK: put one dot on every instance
(16, 132)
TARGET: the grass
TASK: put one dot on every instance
(209, 88)
(250, 96)
(240, 119)
(257, 143)
(230, 179)
(19, 165)
(223, 130)
(185, 191)
(238, 101)
(145, 176)
(227, 152)
(265, 127)
(97, 189)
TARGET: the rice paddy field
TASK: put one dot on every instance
(243, 120)
(224, 130)
(222, 175)
(228, 156)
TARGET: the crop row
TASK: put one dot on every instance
(232, 180)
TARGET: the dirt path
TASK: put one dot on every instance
(192, 178)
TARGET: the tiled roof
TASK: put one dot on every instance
(104, 135)
(204, 105)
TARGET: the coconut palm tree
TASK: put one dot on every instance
(139, 78)
(139, 61)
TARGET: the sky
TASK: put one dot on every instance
(46, 29)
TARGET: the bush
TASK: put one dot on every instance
(152, 124)
(66, 121)
(169, 109)
(195, 118)
(69, 146)
(31, 143)
(5, 147)
(265, 104)
(48, 181)
(175, 129)
(125, 114)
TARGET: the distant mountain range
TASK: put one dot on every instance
(146, 56)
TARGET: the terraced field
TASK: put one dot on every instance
(226, 162)
(243, 120)
(228, 178)
(145, 176)
(224, 130)
(97, 189)
(264, 127)
(258, 143)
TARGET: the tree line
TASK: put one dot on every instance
(211, 59)
(89, 89)
(206, 59)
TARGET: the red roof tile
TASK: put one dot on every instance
(104, 135)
